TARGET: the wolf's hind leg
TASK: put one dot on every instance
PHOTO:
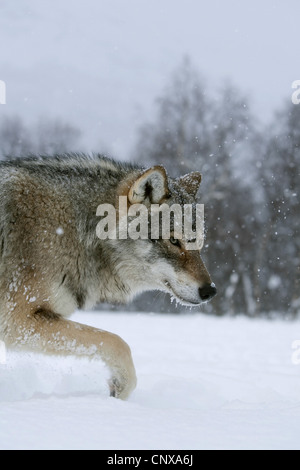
(45, 331)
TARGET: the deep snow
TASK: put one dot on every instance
(203, 383)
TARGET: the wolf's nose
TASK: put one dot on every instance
(207, 292)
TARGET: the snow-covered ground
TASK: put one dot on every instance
(204, 383)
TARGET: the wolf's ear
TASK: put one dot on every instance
(151, 186)
(191, 182)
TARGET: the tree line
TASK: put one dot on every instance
(250, 186)
(46, 137)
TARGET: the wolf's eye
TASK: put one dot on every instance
(175, 242)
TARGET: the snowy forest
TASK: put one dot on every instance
(198, 85)
(250, 186)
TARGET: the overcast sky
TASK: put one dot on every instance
(100, 64)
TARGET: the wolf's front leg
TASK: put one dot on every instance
(45, 331)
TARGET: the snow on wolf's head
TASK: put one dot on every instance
(162, 260)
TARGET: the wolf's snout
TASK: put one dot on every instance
(207, 292)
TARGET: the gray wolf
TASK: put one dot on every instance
(52, 263)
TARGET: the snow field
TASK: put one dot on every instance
(203, 383)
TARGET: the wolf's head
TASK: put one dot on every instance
(171, 264)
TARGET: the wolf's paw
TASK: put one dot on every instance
(120, 388)
(123, 376)
(114, 387)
